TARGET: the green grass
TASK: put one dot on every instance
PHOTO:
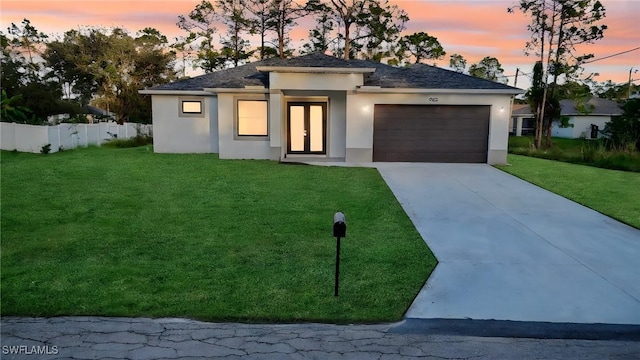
(126, 232)
(578, 151)
(611, 192)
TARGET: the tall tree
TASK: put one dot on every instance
(27, 41)
(233, 13)
(200, 23)
(420, 46)
(375, 23)
(260, 11)
(346, 13)
(557, 27)
(457, 62)
(70, 59)
(184, 49)
(488, 68)
(612, 91)
(378, 29)
(283, 16)
(110, 66)
(25, 78)
(534, 96)
(320, 35)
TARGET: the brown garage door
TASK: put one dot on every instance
(431, 133)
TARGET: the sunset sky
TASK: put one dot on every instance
(472, 28)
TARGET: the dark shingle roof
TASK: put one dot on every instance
(385, 76)
(595, 106)
(521, 109)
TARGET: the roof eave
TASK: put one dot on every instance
(590, 114)
(315, 70)
(377, 90)
(173, 92)
(256, 90)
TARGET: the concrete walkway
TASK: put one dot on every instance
(142, 339)
(509, 250)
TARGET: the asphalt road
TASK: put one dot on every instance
(141, 338)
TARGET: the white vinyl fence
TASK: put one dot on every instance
(32, 138)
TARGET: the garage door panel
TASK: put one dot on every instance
(436, 134)
(431, 133)
(433, 157)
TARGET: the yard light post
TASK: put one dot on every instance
(339, 231)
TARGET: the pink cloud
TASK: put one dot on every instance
(472, 28)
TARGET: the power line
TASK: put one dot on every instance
(610, 56)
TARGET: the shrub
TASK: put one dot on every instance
(623, 132)
(596, 153)
(139, 140)
(45, 149)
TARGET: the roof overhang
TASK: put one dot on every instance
(590, 114)
(379, 90)
(249, 90)
(173, 92)
(315, 70)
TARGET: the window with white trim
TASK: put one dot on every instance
(253, 118)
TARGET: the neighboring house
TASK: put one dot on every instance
(587, 121)
(90, 112)
(320, 107)
(522, 120)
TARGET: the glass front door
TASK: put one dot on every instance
(307, 127)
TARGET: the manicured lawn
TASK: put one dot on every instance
(126, 232)
(611, 192)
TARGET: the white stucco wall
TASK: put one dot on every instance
(581, 126)
(337, 126)
(175, 134)
(310, 81)
(360, 110)
(231, 146)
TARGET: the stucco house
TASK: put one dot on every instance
(595, 112)
(522, 120)
(320, 107)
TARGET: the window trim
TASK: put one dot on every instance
(182, 100)
(236, 119)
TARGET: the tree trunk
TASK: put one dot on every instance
(559, 44)
(281, 29)
(545, 75)
(262, 32)
(347, 47)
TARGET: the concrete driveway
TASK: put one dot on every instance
(509, 250)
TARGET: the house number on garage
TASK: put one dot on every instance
(433, 99)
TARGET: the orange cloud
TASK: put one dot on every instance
(472, 28)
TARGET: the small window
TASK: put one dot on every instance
(253, 118)
(191, 107)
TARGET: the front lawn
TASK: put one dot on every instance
(126, 232)
(611, 192)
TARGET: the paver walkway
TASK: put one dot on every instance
(141, 339)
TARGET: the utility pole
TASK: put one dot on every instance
(629, 92)
(515, 82)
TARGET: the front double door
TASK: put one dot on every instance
(307, 128)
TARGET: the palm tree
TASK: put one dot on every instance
(11, 112)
